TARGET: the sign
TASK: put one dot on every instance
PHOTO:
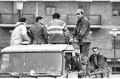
(19, 5)
(114, 32)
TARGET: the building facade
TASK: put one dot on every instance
(103, 14)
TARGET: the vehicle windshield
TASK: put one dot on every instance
(48, 63)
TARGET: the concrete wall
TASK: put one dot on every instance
(102, 8)
(105, 10)
(4, 38)
(100, 37)
(5, 7)
(63, 8)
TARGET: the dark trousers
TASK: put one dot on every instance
(84, 49)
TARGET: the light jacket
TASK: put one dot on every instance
(56, 31)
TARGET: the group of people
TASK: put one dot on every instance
(56, 31)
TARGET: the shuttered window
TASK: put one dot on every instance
(116, 8)
(50, 8)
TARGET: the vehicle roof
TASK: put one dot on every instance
(37, 48)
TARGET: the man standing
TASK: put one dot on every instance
(82, 34)
(57, 30)
(38, 32)
(19, 34)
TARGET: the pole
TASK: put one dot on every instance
(19, 14)
(114, 56)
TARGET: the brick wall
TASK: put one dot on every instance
(100, 37)
(5, 7)
(4, 38)
(63, 8)
(105, 9)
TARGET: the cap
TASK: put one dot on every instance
(80, 11)
(95, 48)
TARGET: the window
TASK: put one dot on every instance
(50, 8)
(116, 8)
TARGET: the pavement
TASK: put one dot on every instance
(115, 76)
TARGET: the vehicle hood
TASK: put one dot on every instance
(37, 48)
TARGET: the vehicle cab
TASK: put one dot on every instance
(36, 61)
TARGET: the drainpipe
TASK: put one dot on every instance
(19, 5)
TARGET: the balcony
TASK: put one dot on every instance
(10, 19)
(95, 20)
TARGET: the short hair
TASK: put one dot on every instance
(56, 15)
(23, 19)
(38, 18)
(80, 11)
(95, 48)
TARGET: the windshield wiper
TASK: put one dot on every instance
(8, 74)
(27, 74)
(45, 74)
(14, 74)
(4, 73)
(17, 75)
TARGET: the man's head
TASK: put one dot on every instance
(23, 20)
(95, 50)
(80, 13)
(39, 19)
(56, 16)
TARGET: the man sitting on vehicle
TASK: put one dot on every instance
(57, 30)
(19, 34)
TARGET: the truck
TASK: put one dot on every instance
(37, 61)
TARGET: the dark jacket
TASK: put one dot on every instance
(82, 31)
(98, 61)
(38, 34)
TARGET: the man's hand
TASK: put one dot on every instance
(75, 40)
(71, 40)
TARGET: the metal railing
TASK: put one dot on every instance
(94, 19)
(12, 18)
